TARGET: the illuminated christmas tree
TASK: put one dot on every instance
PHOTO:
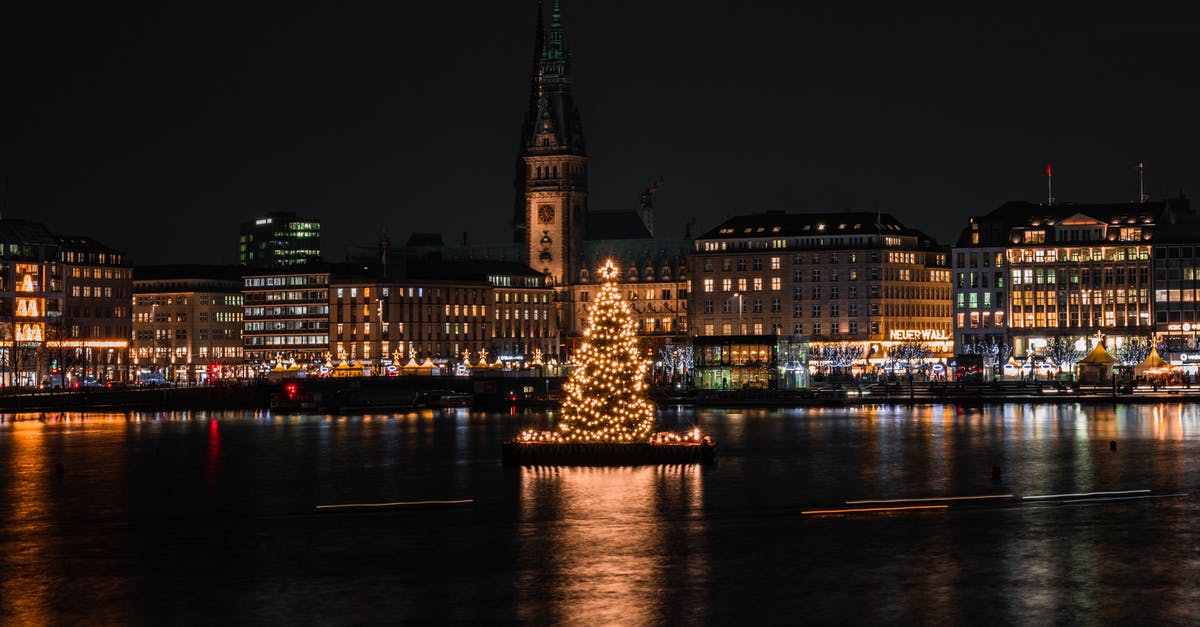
(605, 394)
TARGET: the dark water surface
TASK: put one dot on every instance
(202, 518)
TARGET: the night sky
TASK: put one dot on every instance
(158, 130)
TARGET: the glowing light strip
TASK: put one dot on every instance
(1059, 496)
(1124, 498)
(396, 504)
(87, 344)
(854, 510)
(932, 498)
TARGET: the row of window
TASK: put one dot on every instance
(88, 291)
(1078, 255)
(742, 264)
(294, 310)
(1084, 297)
(757, 328)
(1076, 276)
(88, 272)
(288, 340)
(293, 280)
(1081, 319)
(980, 320)
(230, 300)
(755, 284)
(181, 352)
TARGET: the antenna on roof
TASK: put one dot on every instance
(1049, 186)
(1141, 170)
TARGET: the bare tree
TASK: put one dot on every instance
(839, 356)
(994, 353)
(678, 359)
(1134, 351)
(1063, 353)
(909, 353)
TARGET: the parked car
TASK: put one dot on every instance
(151, 379)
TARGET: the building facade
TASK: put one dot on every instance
(729, 363)
(1176, 267)
(187, 323)
(1050, 281)
(861, 286)
(286, 316)
(656, 289)
(279, 240)
(64, 308)
(31, 301)
(376, 322)
(97, 321)
(437, 309)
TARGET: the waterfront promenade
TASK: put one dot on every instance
(494, 393)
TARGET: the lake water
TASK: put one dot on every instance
(202, 517)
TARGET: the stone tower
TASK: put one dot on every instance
(552, 187)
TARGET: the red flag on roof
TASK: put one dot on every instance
(1048, 170)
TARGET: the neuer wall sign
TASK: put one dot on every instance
(931, 335)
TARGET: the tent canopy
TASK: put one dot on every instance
(1151, 363)
(1098, 356)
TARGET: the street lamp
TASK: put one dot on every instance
(738, 295)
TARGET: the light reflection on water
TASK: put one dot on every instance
(152, 507)
(25, 520)
(594, 545)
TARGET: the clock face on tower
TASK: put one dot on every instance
(546, 214)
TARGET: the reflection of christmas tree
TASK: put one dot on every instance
(605, 395)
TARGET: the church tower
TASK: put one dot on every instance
(552, 167)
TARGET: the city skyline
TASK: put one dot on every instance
(187, 121)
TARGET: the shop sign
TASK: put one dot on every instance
(933, 335)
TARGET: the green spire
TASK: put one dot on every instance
(555, 49)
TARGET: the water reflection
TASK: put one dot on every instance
(153, 507)
(25, 517)
(612, 545)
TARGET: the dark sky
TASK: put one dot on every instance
(159, 130)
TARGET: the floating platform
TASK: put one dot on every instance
(522, 453)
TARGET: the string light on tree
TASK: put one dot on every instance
(605, 394)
